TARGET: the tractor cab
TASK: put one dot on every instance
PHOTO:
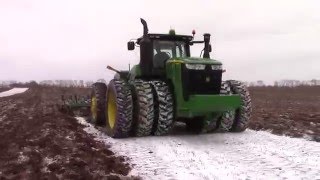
(157, 49)
(166, 47)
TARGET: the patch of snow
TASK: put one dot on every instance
(48, 161)
(309, 132)
(247, 155)
(13, 91)
(3, 117)
(70, 137)
(22, 158)
(308, 137)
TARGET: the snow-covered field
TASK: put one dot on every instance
(247, 155)
(13, 91)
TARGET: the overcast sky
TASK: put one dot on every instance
(76, 39)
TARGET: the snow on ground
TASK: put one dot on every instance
(13, 91)
(247, 155)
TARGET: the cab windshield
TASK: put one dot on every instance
(164, 50)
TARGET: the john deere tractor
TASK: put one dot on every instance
(169, 85)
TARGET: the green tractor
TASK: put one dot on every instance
(169, 85)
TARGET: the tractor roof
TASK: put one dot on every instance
(169, 37)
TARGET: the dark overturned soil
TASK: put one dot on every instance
(287, 111)
(4, 89)
(39, 142)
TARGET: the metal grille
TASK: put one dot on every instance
(205, 81)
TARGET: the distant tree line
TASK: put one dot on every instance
(18, 84)
(293, 83)
(285, 83)
(82, 83)
(59, 83)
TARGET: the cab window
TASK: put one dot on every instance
(164, 50)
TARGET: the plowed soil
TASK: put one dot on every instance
(39, 142)
(4, 89)
(287, 111)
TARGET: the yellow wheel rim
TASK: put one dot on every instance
(111, 109)
(94, 107)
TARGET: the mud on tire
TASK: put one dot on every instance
(98, 101)
(163, 108)
(143, 112)
(243, 114)
(119, 109)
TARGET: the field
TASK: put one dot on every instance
(290, 111)
(40, 142)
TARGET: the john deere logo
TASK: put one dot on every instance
(208, 79)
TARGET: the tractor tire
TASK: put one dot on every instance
(243, 114)
(119, 108)
(163, 108)
(226, 121)
(98, 101)
(143, 113)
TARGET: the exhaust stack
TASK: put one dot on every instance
(145, 27)
(207, 46)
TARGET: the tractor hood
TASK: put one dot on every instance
(194, 60)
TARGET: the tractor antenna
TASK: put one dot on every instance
(145, 27)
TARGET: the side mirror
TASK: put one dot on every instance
(131, 45)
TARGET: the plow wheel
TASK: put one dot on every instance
(98, 99)
(118, 109)
(163, 108)
(243, 114)
(143, 108)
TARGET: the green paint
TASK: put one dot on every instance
(209, 106)
(135, 72)
(197, 105)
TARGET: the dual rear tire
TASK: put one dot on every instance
(153, 109)
(144, 108)
(118, 109)
(98, 101)
(139, 108)
(236, 120)
(164, 108)
(111, 107)
(230, 121)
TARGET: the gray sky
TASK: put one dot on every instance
(77, 39)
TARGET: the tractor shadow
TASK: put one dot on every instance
(179, 129)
